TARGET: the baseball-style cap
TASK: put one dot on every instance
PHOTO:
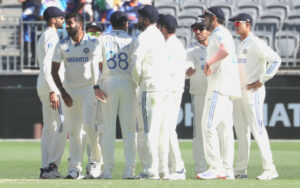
(52, 12)
(242, 17)
(198, 24)
(118, 18)
(214, 11)
(167, 21)
(98, 26)
(150, 12)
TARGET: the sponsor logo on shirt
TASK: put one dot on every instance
(242, 60)
(245, 51)
(77, 59)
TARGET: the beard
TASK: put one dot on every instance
(141, 26)
(72, 31)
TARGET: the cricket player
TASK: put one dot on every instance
(223, 85)
(150, 65)
(258, 63)
(79, 91)
(177, 57)
(118, 84)
(196, 55)
(46, 87)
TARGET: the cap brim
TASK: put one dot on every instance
(198, 25)
(233, 19)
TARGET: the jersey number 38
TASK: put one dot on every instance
(115, 59)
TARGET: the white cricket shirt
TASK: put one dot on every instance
(115, 55)
(177, 58)
(225, 74)
(257, 61)
(196, 55)
(45, 49)
(150, 62)
(80, 61)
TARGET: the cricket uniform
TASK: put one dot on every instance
(150, 65)
(118, 84)
(257, 61)
(81, 73)
(196, 55)
(45, 85)
(177, 57)
(223, 86)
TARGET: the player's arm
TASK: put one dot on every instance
(190, 61)
(138, 53)
(54, 72)
(266, 54)
(97, 61)
(219, 55)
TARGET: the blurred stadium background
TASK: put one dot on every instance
(275, 21)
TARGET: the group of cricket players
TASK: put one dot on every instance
(140, 80)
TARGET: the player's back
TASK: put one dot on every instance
(177, 58)
(116, 52)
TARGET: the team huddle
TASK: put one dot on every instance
(141, 80)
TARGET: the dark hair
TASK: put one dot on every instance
(220, 21)
(78, 17)
(170, 30)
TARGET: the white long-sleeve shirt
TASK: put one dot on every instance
(45, 50)
(150, 62)
(81, 61)
(253, 56)
(225, 74)
(196, 55)
(177, 58)
(115, 54)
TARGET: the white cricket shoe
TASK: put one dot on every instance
(95, 170)
(164, 176)
(51, 172)
(129, 173)
(210, 175)
(148, 176)
(229, 175)
(268, 175)
(74, 175)
(178, 175)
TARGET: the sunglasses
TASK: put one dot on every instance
(195, 30)
(96, 34)
(238, 23)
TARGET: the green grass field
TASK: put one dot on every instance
(20, 163)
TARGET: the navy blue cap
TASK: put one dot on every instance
(215, 11)
(198, 24)
(242, 17)
(150, 12)
(168, 21)
(118, 18)
(96, 25)
(52, 12)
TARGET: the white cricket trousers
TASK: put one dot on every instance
(80, 115)
(51, 125)
(170, 119)
(151, 106)
(217, 127)
(198, 150)
(248, 116)
(122, 102)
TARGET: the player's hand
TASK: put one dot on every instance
(207, 70)
(100, 95)
(254, 86)
(190, 71)
(67, 98)
(54, 101)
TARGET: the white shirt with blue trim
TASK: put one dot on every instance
(257, 61)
